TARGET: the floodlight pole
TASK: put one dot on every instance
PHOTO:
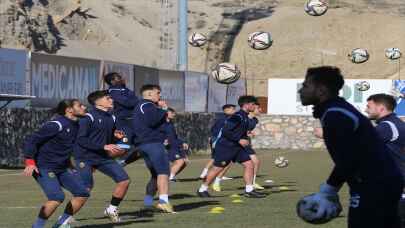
(226, 93)
(245, 72)
(182, 36)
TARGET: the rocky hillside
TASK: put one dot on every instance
(132, 31)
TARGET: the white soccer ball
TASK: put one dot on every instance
(226, 73)
(308, 208)
(260, 40)
(362, 86)
(281, 162)
(316, 7)
(197, 39)
(393, 53)
(359, 55)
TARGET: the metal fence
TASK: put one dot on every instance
(51, 78)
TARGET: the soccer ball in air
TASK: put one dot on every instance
(197, 39)
(226, 73)
(393, 53)
(362, 86)
(316, 7)
(359, 55)
(260, 40)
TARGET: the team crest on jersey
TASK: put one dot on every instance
(355, 201)
(82, 165)
(125, 139)
(51, 174)
(68, 130)
(99, 120)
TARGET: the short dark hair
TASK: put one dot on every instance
(110, 76)
(63, 105)
(246, 99)
(328, 76)
(387, 100)
(228, 106)
(94, 96)
(149, 87)
(170, 109)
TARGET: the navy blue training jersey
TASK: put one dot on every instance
(147, 121)
(235, 128)
(170, 134)
(360, 156)
(391, 130)
(125, 101)
(96, 130)
(218, 125)
(52, 145)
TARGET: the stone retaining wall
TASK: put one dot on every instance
(286, 132)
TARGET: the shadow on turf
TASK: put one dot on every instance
(190, 206)
(184, 196)
(277, 186)
(181, 196)
(280, 191)
(289, 182)
(271, 186)
(132, 215)
(188, 179)
(198, 179)
(110, 225)
(174, 196)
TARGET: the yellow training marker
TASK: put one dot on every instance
(217, 210)
(235, 196)
(283, 188)
(237, 201)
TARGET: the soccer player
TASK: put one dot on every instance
(47, 158)
(149, 117)
(177, 149)
(125, 101)
(390, 128)
(380, 107)
(96, 149)
(253, 121)
(230, 147)
(228, 110)
(361, 158)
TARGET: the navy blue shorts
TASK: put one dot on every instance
(249, 150)
(176, 154)
(125, 125)
(156, 159)
(52, 182)
(224, 155)
(110, 168)
(375, 206)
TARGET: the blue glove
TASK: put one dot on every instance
(320, 207)
(332, 206)
(328, 189)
